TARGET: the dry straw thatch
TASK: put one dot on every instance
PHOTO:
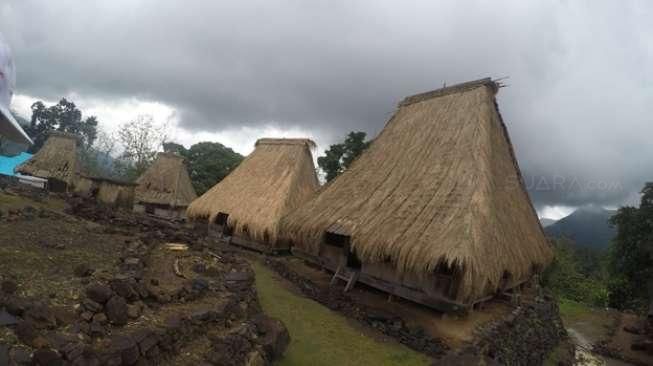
(166, 183)
(57, 159)
(273, 180)
(439, 186)
(106, 190)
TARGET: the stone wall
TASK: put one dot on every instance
(526, 336)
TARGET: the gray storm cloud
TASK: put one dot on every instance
(577, 105)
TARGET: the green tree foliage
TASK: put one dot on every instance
(63, 116)
(631, 254)
(208, 162)
(567, 279)
(340, 156)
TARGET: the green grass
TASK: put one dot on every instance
(320, 336)
(570, 309)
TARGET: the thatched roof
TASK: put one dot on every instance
(439, 185)
(57, 159)
(166, 183)
(274, 179)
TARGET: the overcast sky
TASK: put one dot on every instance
(578, 105)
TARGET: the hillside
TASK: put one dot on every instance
(588, 227)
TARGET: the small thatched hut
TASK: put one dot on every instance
(249, 203)
(435, 210)
(106, 191)
(56, 161)
(165, 189)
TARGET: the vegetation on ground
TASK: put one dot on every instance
(631, 255)
(577, 274)
(320, 336)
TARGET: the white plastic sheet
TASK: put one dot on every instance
(9, 128)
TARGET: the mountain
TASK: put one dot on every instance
(588, 227)
(547, 222)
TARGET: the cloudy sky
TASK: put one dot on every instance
(578, 105)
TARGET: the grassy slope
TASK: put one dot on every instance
(320, 336)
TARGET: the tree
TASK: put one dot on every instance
(63, 116)
(99, 159)
(340, 156)
(631, 254)
(140, 139)
(566, 277)
(207, 162)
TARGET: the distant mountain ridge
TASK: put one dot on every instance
(545, 221)
(587, 227)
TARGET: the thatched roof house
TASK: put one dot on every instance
(56, 161)
(107, 191)
(436, 205)
(165, 189)
(273, 180)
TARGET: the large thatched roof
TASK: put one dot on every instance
(166, 183)
(274, 179)
(57, 159)
(439, 185)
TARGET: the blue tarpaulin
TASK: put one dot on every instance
(8, 163)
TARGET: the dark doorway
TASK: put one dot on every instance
(336, 240)
(221, 219)
(149, 209)
(353, 262)
(57, 185)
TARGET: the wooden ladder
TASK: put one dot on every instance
(346, 275)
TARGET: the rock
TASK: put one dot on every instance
(83, 270)
(126, 348)
(200, 284)
(63, 315)
(273, 336)
(99, 293)
(124, 288)
(15, 307)
(40, 342)
(148, 343)
(92, 306)
(46, 357)
(42, 315)
(7, 319)
(133, 311)
(97, 330)
(4, 354)
(8, 286)
(26, 332)
(73, 350)
(21, 355)
(100, 318)
(116, 310)
(238, 276)
(86, 316)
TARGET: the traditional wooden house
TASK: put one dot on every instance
(56, 161)
(278, 176)
(107, 191)
(435, 210)
(165, 189)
